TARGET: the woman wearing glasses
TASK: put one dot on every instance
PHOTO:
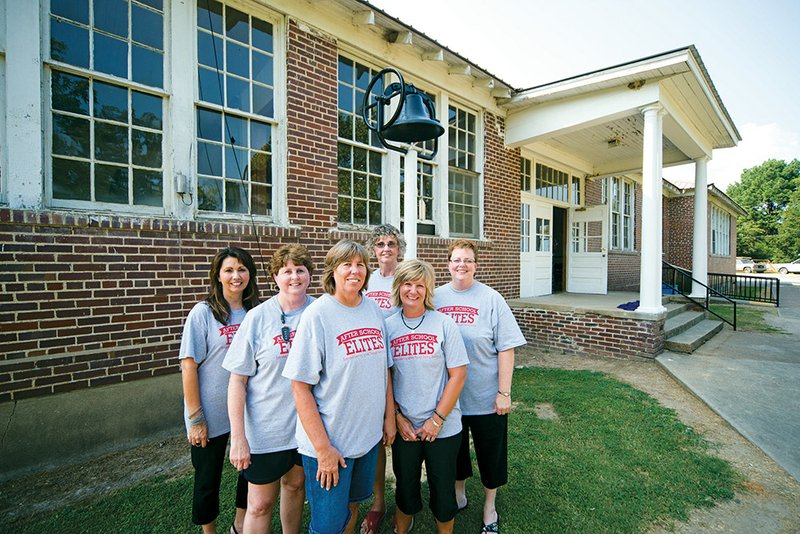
(490, 334)
(428, 372)
(387, 245)
(260, 403)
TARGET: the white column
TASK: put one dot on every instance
(25, 171)
(700, 237)
(650, 267)
(410, 203)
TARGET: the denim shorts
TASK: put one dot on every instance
(330, 509)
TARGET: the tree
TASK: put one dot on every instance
(769, 194)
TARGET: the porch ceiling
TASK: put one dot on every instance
(594, 122)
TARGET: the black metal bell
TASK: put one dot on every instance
(417, 121)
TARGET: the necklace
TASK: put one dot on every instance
(403, 318)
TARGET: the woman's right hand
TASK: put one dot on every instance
(240, 453)
(406, 429)
(198, 435)
(328, 461)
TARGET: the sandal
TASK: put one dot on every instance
(372, 522)
(461, 508)
(492, 528)
(410, 526)
(233, 530)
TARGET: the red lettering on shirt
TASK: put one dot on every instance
(461, 314)
(383, 298)
(228, 331)
(283, 346)
(361, 341)
(412, 346)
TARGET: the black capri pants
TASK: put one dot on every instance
(490, 437)
(439, 456)
(208, 462)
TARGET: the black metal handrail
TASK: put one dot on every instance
(680, 281)
(746, 287)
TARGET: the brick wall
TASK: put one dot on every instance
(680, 212)
(89, 301)
(578, 333)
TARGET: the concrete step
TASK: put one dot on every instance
(682, 322)
(675, 308)
(690, 339)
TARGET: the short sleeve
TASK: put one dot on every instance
(241, 356)
(195, 333)
(304, 363)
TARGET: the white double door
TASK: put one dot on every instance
(587, 258)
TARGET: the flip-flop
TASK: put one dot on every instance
(233, 530)
(410, 526)
(492, 528)
(372, 521)
(462, 508)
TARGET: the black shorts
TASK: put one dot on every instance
(490, 437)
(268, 467)
(440, 467)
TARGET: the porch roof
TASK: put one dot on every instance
(593, 123)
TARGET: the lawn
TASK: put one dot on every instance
(613, 460)
(749, 318)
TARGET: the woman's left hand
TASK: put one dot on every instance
(502, 404)
(429, 431)
(389, 429)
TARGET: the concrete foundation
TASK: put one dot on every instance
(44, 432)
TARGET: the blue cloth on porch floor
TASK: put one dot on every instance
(629, 306)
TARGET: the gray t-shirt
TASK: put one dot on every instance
(380, 290)
(206, 341)
(341, 352)
(421, 358)
(488, 327)
(259, 352)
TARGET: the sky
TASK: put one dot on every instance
(748, 47)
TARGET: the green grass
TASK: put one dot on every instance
(614, 461)
(748, 318)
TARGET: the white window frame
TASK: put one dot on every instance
(620, 193)
(720, 232)
(475, 173)
(51, 65)
(279, 210)
(389, 170)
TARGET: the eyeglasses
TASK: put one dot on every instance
(390, 244)
(465, 261)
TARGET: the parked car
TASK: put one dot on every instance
(791, 267)
(749, 266)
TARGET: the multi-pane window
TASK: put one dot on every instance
(525, 227)
(235, 120)
(525, 174)
(720, 232)
(542, 235)
(463, 183)
(360, 162)
(576, 191)
(621, 197)
(552, 183)
(425, 173)
(107, 128)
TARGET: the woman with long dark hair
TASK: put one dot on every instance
(207, 334)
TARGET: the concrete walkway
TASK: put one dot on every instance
(752, 380)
